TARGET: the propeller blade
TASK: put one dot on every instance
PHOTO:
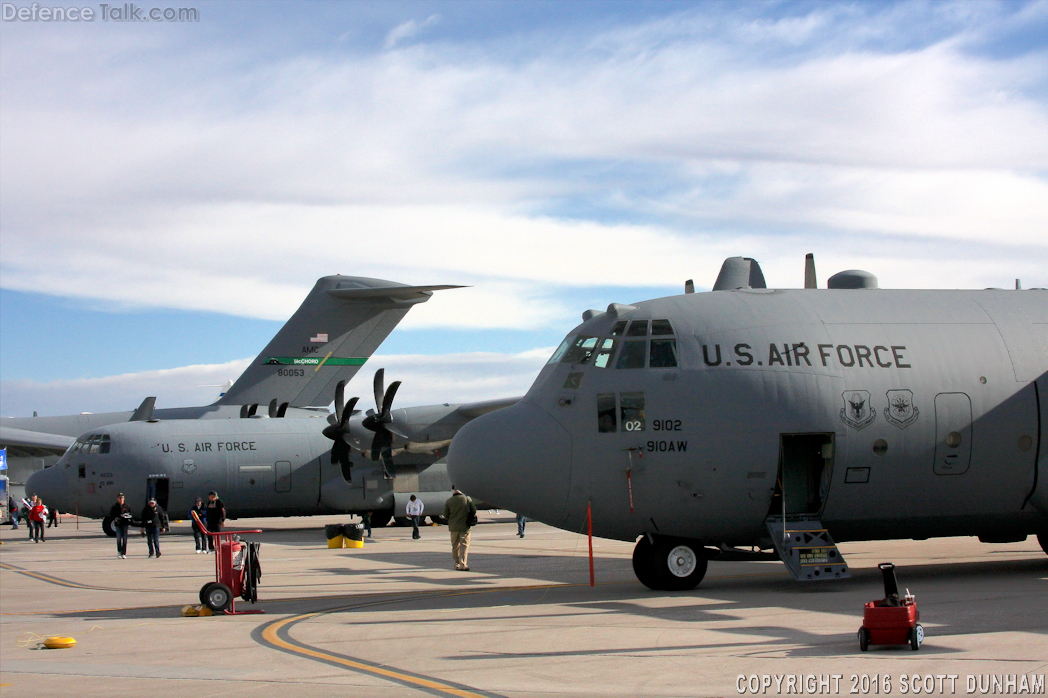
(347, 412)
(282, 410)
(273, 408)
(243, 411)
(382, 440)
(340, 399)
(380, 380)
(387, 401)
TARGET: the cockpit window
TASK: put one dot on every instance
(607, 350)
(606, 413)
(580, 351)
(618, 328)
(574, 380)
(560, 350)
(95, 443)
(663, 353)
(638, 328)
(633, 354)
(661, 327)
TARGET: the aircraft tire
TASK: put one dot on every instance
(1042, 538)
(107, 527)
(379, 519)
(644, 563)
(219, 597)
(681, 564)
(438, 520)
(401, 521)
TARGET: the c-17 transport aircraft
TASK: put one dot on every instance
(785, 419)
(268, 466)
(338, 326)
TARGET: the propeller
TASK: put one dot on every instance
(339, 426)
(382, 442)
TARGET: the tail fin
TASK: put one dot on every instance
(335, 330)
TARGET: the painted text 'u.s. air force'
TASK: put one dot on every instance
(800, 354)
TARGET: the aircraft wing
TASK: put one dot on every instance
(35, 439)
(473, 410)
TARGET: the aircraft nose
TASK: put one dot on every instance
(48, 484)
(517, 458)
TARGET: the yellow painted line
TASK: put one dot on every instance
(270, 635)
(323, 362)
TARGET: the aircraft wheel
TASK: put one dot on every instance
(219, 597)
(675, 564)
(864, 639)
(380, 518)
(1042, 538)
(916, 637)
(438, 520)
(203, 592)
(401, 521)
(644, 563)
(107, 527)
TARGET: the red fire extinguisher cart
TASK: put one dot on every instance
(237, 571)
(891, 620)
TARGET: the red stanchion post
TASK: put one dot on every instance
(589, 529)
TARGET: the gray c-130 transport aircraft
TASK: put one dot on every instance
(270, 467)
(780, 419)
(331, 335)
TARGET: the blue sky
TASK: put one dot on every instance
(169, 192)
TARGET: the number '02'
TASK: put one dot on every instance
(633, 426)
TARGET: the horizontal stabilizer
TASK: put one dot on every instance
(413, 294)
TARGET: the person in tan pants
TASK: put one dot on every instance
(461, 513)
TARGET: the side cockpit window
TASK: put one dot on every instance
(560, 350)
(580, 350)
(630, 413)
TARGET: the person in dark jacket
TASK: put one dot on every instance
(52, 518)
(460, 511)
(199, 535)
(153, 521)
(120, 513)
(216, 516)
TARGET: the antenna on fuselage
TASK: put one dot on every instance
(689, 286)
(809, 271)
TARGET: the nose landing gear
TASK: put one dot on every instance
(669, 564)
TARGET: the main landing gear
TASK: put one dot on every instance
(107, 527)
(669, 564)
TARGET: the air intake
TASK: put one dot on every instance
(739, 272)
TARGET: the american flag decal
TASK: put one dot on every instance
(321, 337)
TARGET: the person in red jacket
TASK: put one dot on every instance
(36, 520)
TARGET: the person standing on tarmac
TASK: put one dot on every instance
(461, 512)
(414, 511)
(52, 518)
(120, 513)
(199, 535)
(36, 520)
(216, 516)
(153, 520)
(12, 509)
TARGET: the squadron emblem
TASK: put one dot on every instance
(188, 466)
(857, 411)
(900, 410)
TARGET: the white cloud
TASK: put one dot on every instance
(408, 30)
(638, 157)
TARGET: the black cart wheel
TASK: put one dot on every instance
(203, 592)
(916, 637)
(107, 527)
(864, 639)
(219, 597)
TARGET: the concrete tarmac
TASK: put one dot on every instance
(394, 619)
